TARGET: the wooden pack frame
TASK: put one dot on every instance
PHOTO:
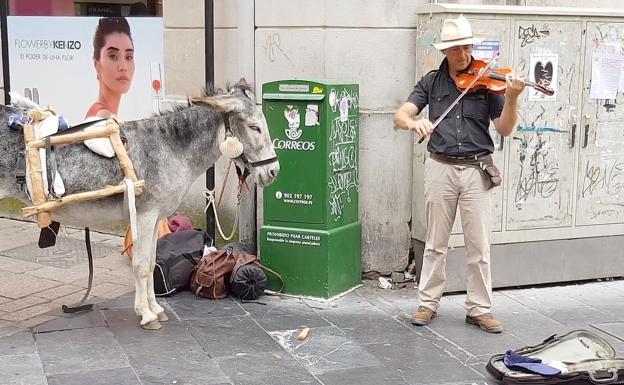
(42, 207)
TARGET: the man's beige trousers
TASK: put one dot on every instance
(446, 188)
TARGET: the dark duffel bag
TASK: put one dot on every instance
(176, 256)
(248, 282)
(581, 357)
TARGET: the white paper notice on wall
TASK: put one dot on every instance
(605, 75)
(312, 115)
(543, 70)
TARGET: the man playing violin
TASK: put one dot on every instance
(459, 171)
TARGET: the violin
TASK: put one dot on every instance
(479, 75)
(494, 80)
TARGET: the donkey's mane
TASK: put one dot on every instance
(208, 91)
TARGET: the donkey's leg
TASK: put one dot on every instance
(142, 248)
(151, 296)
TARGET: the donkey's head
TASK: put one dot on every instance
(246, 136)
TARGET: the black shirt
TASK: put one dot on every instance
(465, 130)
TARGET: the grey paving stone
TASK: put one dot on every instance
(615, 329)
(367, 325)
(528, 325)
(121, 376)
(579, 316)
(162, 362)
(27, 314)
(27, 285)
(58, 291)
(188, 307)
(544, 300)
(124, 324)
(450, 323)
(616, 284)
(21, 369)
(326, 348)
(17, 343)
(79, 350)
(229, 336)
(273, 305)
(265, 369)
(68, 321)
(480, 367)
(7, 328)
(423, 363)
(592, 293)
(615, 309)
(66, 253)
(17, 266)
(284, 314)
(361, 376)
(123, 301)
(295, 320)
(19, 236)
(351, 300)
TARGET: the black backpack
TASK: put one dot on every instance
(176, 256)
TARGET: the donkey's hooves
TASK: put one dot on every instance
(162, 317)
(152, 325)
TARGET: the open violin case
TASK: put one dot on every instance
(581, 356)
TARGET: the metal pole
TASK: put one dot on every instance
(209, 53)
(245, 42)
(4, 9)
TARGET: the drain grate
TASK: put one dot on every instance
(66, 253)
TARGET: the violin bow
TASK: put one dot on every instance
(472, 83)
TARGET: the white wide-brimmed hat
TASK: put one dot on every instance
(456, 32)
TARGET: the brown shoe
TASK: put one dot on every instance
(486, 322)
(423, 316)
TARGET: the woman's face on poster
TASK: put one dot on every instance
(116, 65)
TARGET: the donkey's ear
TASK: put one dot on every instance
(219, 103)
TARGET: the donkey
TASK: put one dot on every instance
(168, 152)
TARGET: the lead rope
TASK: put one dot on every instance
(210, 196)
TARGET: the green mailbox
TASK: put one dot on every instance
(312, 233)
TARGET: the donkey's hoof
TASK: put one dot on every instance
(162, 317)
(152, 325)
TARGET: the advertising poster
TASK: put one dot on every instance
(486, 50)
(52, 62)
(543, 70)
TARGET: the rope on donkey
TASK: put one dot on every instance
(210, 196)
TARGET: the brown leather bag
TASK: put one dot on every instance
(212, 273)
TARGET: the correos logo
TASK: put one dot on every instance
(293, 145)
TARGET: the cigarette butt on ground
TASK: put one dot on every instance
(303, 334)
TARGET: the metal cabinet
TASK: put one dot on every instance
(600, 191)
(563, 167)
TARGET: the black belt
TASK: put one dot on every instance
(462, 159)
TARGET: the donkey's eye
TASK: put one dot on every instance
(255, 128)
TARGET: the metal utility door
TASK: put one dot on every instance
(540, 175)
(496, 33)
(600, 193)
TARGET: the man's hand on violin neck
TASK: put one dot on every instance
(422, 127)
(515, 86)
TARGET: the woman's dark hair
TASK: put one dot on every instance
(106, 26)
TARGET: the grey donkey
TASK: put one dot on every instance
(168, 152)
